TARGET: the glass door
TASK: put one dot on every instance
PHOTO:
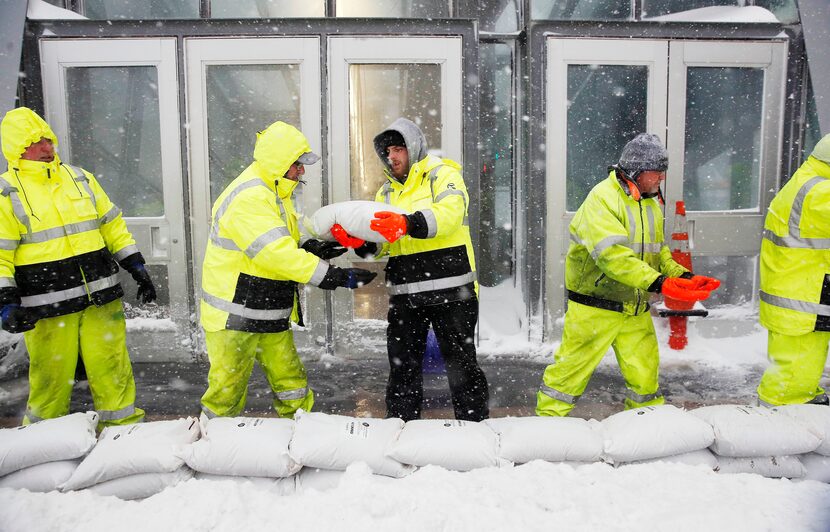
(235, 88)
(726, 107)
(113, 105)
(374, 81)
(599, 94)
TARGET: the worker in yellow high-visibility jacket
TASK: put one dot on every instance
(61, 241)
(795, 284)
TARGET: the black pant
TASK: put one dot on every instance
(406, 337)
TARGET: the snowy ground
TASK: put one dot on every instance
(535, 496)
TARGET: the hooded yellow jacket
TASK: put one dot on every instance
(617, 250)
(795, 254)
(252, 263)
(60, 234)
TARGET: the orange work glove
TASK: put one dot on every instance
(683, 289)
(345, 239)
(705, 283)
(389, 224)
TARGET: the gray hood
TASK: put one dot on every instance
(416, 142)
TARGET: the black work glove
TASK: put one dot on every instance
(324, 249)
(17, 319)
(366, 250)
(134, 264)
(346, 277)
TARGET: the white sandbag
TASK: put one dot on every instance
(766, 466)
(554, 439)
(142, 485)
(816, 466)
(50, 440)
(702, 457)
(279, 486)
(448, 443)
(746, 431)
(334, 442)
(816, 418)
(243, 446)
(653, 432)
(317, 479)
(354, 216)
(42, 477)
(134, 449)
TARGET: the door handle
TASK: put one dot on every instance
(160, 242)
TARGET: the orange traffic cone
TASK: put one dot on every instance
(681, 255)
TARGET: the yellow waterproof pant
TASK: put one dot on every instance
(99, 335)
(797, 363)
(232, 355)
(589, 332)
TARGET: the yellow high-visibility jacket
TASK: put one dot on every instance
(441, 266)
(60, 235)
(252, 264)
(795, 254)
(617, 249)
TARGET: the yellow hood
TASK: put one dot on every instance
(20, 128)
(277, 148)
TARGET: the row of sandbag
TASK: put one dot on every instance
(139, 460)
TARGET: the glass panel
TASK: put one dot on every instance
(656, 8)
(784, 10)
(114, 129)
(724, 107)
(580, 9)
(495, 253)
(379, 94)
(238, 107)
(607, 106)
(812, 132)
(736, 275)
(500, 16)
(371, 301)
(393, 8)
(161, 279)
(267, 8)
(144, 9)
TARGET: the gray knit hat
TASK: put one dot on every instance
(644, 152)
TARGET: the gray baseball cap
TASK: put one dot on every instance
(308, 157)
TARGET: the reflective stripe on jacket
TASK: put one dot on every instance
(60, 234)
(795, 254)
(252, 264)
(441, 266)
(617, 249)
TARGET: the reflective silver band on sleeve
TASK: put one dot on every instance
(60, 232)
(607, 242)
(651, 247)
(637, 398)
(224, 243)
(112, 415)
(110, 215)
(291, 395)
(790, 241)
(227, 243)
(559, 396)
(319, 273)
(250, 313)
(795, 304)
(125, 252)
(6, 189)
(50, 298)
(451, 192)
(432, 223)
(9, 244)
(428, 286)
(80, 177)
(7, 282)
(266, 238)
(209, 413)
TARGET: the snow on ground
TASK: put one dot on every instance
(534, 496)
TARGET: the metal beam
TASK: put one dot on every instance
(814, 17)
